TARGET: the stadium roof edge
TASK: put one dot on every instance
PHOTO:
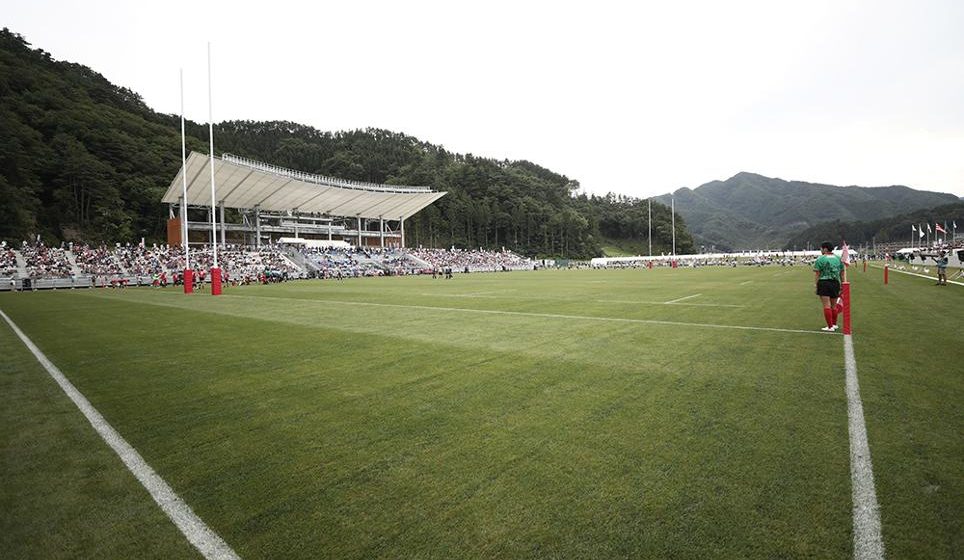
(247, 184)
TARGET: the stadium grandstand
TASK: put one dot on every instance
(72, 265)
(274, 224)
(269, 202)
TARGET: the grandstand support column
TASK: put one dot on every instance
(223, 228)
(359, 231)
(401, 222)
(381, 231)
(257, 225)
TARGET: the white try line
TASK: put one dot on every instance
(868, 541)
(205, 540)
(530, 314)
(892, 269)
(682, 299)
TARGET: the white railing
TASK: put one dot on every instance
(322, 179)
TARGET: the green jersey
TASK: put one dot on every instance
(829, 267)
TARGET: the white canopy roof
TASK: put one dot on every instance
(243, 183)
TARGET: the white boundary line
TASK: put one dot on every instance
(205, 540)
(529, 314)
(868, 541)
(892, 269)
(682, 299)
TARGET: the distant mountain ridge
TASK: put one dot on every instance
(751, 211)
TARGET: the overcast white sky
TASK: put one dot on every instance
(638, 98)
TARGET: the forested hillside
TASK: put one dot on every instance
(887, 230)
(82, 159)
(749, 211)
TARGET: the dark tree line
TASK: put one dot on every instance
(888, 230)
(82, 159)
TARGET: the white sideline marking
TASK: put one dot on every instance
(206, 541)
(682, 299)
(868, 542)
(539, 315)
(747, 282)
(892, 269)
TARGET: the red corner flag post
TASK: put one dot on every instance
(188, 281)
(845, 288)
(845, 294)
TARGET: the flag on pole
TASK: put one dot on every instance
(913, 229)
(845, 254)
(921, 231)
(939, 228)
(929, 230)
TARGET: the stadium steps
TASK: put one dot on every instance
(21, 264)
(295, 262)
(121, 266)
(74, 267)
(419, 263)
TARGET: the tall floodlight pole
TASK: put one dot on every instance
(215, 270)
(651, 227)
(188, 276)
(672, 202)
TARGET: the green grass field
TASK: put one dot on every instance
(550, 414)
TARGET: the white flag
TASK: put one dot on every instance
(920, 230)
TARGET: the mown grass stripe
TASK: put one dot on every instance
(205, 540)
(543, 315)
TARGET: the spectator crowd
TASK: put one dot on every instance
(472, 260)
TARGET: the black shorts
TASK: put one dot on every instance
(829, 288)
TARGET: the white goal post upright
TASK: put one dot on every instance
(188, 279)
(215, 270)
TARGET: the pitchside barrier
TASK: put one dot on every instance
(83, 281)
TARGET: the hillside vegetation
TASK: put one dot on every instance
(749, 211)
(85, 160)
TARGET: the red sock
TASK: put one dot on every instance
(828, 316)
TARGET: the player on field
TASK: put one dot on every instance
(827, 271)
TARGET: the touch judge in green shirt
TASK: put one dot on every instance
(827, 272)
